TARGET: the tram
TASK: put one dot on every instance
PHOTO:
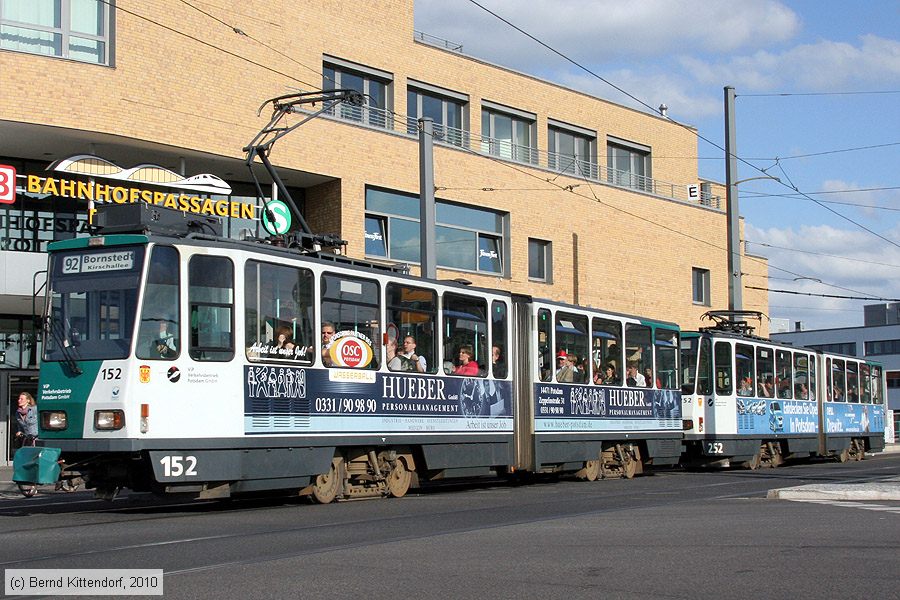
(179, 361)
(749, 401)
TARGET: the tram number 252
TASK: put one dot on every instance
(177, 466)
(715, 448)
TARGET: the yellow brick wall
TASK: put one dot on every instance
(635, 251)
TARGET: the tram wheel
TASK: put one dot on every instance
(398, 479)
(844, 455)
(754, 463)
(629, 464)
(326, 486)
(590, 471)
(857, 449)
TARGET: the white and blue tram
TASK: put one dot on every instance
(750, 401)
(198, 364)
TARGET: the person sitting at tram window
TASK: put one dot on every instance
(467, 365)
(566, 372)
(497, 363)
(417, 362)
(166, 343)
(648, 377)
(838, 394)
(284, 342)
(767, 388)
(852, 394)
(745, 387)
(632, 377)
(784, 388)
(610, 377)
(394, 361)
(327, 333)
(800, 391)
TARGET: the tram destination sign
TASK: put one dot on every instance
(122, 260)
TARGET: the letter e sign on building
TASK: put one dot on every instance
(7, 184)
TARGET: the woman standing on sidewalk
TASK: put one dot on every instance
(26, 420)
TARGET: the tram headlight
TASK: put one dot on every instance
(54, 420)
(109, 419)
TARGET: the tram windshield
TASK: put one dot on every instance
(92, 303)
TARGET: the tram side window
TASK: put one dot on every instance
(499, 339)
(765, 372)
(812, 378)
(411, 315)
(572, 362)
(852, 381)
(211, 301)
(278, 312)
(877, 390)
(607, 352)
(743, 364)
(159, 333)
(705, 368)
(353, 306)
(638, 356)
(689, 354)
(801, 376)
(723, 369)
(666, 348)
(865, 383)
(783, 370)
(837, 381)
(544, 357)
(465, 336)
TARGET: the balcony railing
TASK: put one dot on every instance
(561, 164)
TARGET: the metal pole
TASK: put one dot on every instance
(426, 198)
(735, 286)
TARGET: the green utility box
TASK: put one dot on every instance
(36, 465)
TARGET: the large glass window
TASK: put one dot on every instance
(160, 325)
(540, 260)
(412, 318)
(465, 336)
(628, 165)
(375, 110)
(638, 355)
(723, 369)
(211, 300)
(572, 362)
(865, 383)
(765, 372)
(607, 351)
(802, 376)
(19, 343)
(448, 114)
(838, 384)
(499, 339)
(852, 381)
(73, 29)
(279, 315)
(351, 309)
(545, 364)
(877, 385)
(743, 364)
(783, 377)
(508, 136)
(571, 152)
(466, 237)
(666, 348)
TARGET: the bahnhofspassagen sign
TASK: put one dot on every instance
(101, 192)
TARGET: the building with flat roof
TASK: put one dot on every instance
(541, 189)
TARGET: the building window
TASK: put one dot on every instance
(540, 260)
(700, 279)
(447, 109)
(508, 134)
(877, 347)
(628, 164)
(466, 238)
(848, 348)
(74, 29)
(571, 150)
(373, 84)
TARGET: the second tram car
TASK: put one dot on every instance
(181, 362)
(750, 401)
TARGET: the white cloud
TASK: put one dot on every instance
(874, 269)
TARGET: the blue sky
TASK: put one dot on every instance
(682, 53)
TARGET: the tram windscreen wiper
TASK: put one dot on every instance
(66, 344)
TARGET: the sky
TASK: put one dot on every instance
(818, 107)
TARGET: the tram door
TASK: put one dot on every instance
(12, 383)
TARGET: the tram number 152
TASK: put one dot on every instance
(176, 466)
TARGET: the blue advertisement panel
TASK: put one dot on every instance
(766, 416)
(567, 407)
(281, 399)
(844, 417)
